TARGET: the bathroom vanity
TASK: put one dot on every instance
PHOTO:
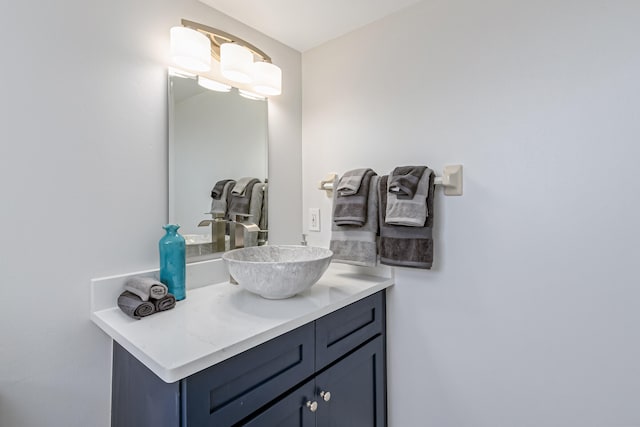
(226, 357)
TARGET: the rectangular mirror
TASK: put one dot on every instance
(213, 136)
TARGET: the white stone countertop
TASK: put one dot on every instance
(221, 320)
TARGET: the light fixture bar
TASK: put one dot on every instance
(214, 33)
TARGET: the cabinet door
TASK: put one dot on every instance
(357, 387)
(290, 411)
(342, 331)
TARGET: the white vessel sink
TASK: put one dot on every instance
(277, 272)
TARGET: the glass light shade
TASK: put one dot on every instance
(267, 79)
(190, 49)
(236, 62)
(250, 95)
(213, 85)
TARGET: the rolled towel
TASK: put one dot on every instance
(406, 246)
(145, 287)
(219, 206)
(218, 189)
(241, 204)
(165, 303)
(133, 306)
(352, 210)
(350, 182)
(403, 180)
(357, 245)
(241, 186)
(410, 212)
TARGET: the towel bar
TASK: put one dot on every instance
(451, 181)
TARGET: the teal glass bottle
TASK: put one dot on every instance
(173, 261)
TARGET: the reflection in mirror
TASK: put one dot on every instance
(213, 137)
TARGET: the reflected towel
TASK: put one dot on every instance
(145, 287)
(255, 205)
(218, 190)
(165, 303)
(219, 206)
(353, 244)
(406, 246)
(410, 212)
(403, 181)
(264, 214)
(133, 306)
(352, 210)
(240, 204)
(241, 186)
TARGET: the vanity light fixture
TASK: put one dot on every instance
(190, 49)
(232, 61)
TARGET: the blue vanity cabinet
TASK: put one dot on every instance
(329, 372)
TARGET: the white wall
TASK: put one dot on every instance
(531, 314)
(83, 176)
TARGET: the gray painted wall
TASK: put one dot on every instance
(530, 316)
(83, 174)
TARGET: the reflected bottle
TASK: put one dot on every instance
(173, 261)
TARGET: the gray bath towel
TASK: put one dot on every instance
(403, 180)
(410, 212)
(165, 303)
(350, 182)
(219, 206)
(352, 210)
(241, 204)
(133, 306)
(406, 246)
(353, 244)
(241, 186)
(145, 287)
(218, 190)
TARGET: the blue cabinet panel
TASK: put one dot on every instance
(357, 385)
(290, 411)
(342, 331)
(139, 397)
(225, 393)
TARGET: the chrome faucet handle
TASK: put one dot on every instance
(304, 240)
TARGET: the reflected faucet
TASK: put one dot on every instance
(218, 224)
(243, 233)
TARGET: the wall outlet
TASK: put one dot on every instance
(314, 219)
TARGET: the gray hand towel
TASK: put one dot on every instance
(241, 186)
(350, 182)
(240, 204)
(353, 244)
(406, 246)
(410, 212)
(220, 205)
(218, 190)
(165, 303)
(352, 210)
(145, 287)
(133, 306)
(403, 180)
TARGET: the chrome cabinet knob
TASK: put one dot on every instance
(313, 406)
(325, 395)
